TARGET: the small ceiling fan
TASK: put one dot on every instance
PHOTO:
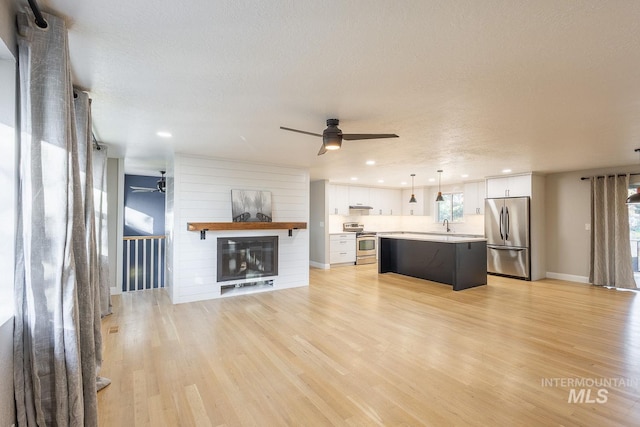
(160, 186)
(332, 136)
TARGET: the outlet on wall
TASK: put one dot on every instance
(587, 227)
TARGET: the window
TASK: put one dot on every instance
(452, 209)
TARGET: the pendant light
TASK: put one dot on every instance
(413, 196)
(634, 199)
(439, 198)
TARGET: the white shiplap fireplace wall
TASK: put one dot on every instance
(199, 190)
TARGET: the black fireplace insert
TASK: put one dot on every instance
(247, 257)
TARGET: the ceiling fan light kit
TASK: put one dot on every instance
(634, 199)
(332, 136)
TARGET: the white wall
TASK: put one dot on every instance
(318, 224)
(8, 47)
(170, 230)
(115, 204)
(199, 190)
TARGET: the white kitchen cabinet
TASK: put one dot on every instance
(394, 200)
(474, 194)
(428, 200)
(509, 186)
(385, 201)
(342, 248)
(359, 196)
(376, 197)
(338, 199)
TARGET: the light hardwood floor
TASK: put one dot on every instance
(357, 348)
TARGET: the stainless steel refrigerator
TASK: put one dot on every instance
(506, 227)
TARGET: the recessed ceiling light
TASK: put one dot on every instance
(381, 181)
(403, 183)
(371, 162)
(164, 134)
(432, 179)
(465, 175)
(354, 178)
(506, 170)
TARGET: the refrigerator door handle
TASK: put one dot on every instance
(506, 249)
(507, 225)
(501, 215)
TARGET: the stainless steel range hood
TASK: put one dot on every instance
(360, 209)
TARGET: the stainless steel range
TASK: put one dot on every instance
(366, 242)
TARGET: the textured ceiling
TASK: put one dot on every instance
(472, 87)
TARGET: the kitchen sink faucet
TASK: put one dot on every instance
(446, 223)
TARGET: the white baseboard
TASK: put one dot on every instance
(319, 265)
(567, 277)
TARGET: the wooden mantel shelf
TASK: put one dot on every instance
(203, 227)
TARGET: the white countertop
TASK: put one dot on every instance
(433, 237)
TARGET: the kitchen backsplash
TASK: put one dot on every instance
(473, 224)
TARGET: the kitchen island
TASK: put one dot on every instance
(459, 261)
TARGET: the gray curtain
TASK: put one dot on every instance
(102, 236)
(610, 245)
(85, 206)
(57, 331)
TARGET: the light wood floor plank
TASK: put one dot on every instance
(362, 349)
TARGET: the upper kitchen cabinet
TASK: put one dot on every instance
(359, 196)
(338, 199)
(385, 201)
(509, 186)
(474, 194)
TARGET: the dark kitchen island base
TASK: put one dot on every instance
(461, 262)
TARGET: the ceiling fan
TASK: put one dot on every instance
(332, 136)
(160, 186)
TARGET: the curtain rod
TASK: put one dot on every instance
(96, 144)
(607, 176)
(40, 22)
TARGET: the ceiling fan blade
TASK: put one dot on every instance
(355, 136)
(301, 131)
(142, 189)
(322, 150)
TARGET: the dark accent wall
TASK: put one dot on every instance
(143, 211)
